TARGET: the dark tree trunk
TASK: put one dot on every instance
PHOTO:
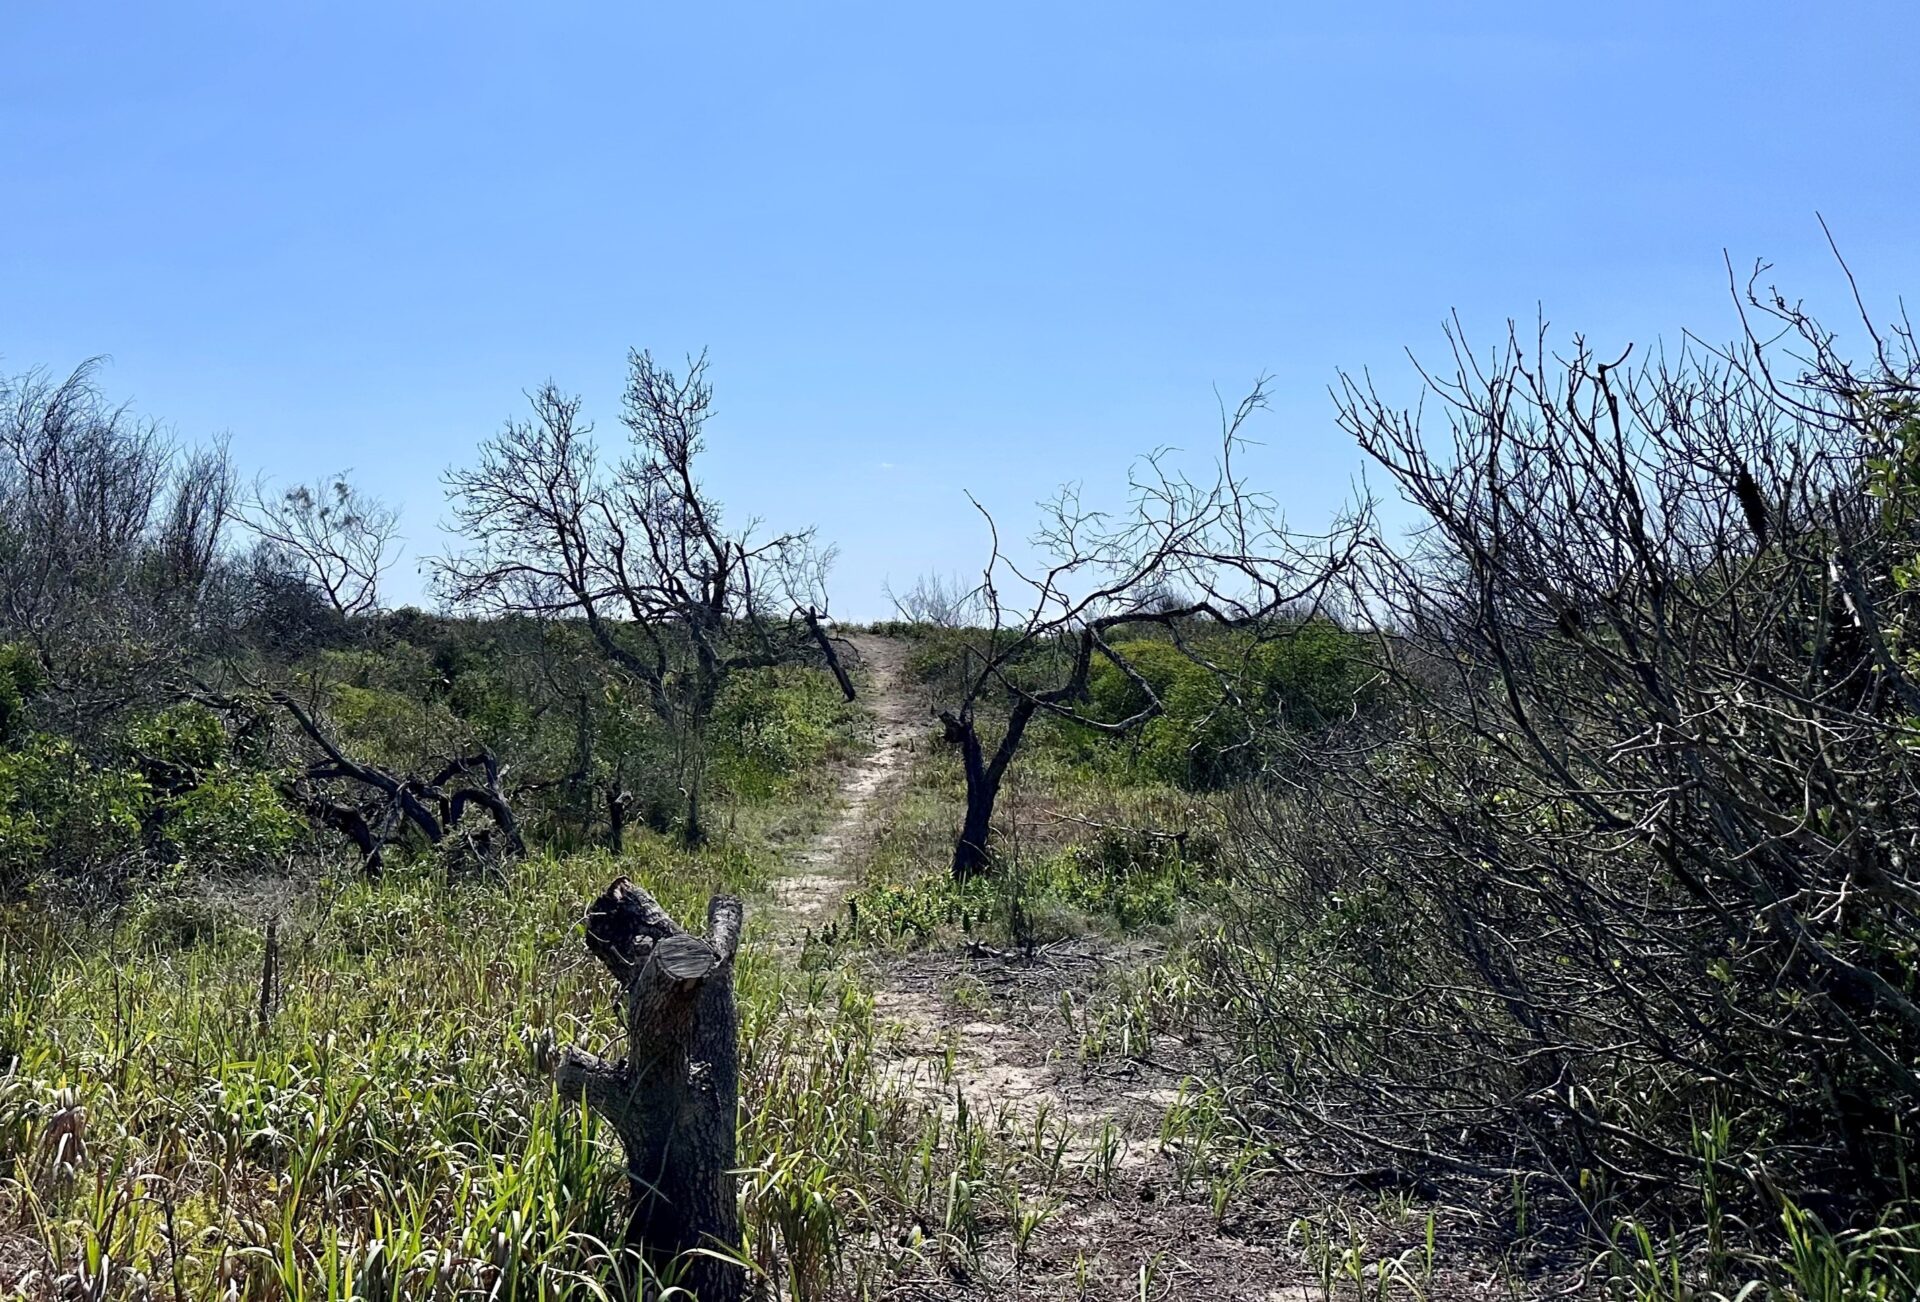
(832, 657)
(346, 819)
(694, 830)
(674, 1099)
(693, 758)
(971, 855)
(488, 797)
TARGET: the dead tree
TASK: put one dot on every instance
(337, 538)
(1185, 554)
(371, 805)
(111, 545)
(673, 1100)
(828, 652)
(637, 550)
(938, 600)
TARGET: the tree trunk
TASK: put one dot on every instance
(827, 652)
(674, 1099)
(694, 830)
(970, 857)
(693, 764)
(580, 788)
(345, 818)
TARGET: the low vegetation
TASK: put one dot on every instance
(1519, 908)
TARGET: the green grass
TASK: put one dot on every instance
(392, 1132)
(1082, 851)
(150, 1125)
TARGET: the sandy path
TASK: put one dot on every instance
(826, 869)
(1012, 1054)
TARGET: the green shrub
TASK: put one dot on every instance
(1224, 700)
(771, 726)
(389, 727)
(206, 811)
(21, 679)
(186, 736)
(172, 791)
(230, 819)
(59, 812)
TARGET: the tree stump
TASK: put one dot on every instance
(674, 1099)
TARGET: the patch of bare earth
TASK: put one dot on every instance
(1007, 1030)
(25, 1269)
(1003, 1034)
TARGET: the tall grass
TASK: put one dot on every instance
(391, 1131)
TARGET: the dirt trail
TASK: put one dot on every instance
(1008, 1043)
(825, 869)
(1005, 1033)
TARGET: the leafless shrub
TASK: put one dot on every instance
(109, 536)
(938, 601)
(1634, 857)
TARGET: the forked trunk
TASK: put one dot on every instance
(971, 854)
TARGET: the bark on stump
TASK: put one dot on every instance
(674, 1099)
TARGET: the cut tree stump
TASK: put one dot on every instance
(674, 1099)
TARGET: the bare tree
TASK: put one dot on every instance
(109, 535)
(336, 535)
(1184, 553)
(939, 601)
(638, 550)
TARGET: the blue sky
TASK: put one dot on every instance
(931, 247)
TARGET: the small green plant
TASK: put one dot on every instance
(1108, 1151)
(1148, 1276)
(1027, 1215)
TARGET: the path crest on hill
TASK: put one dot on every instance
(825, 870)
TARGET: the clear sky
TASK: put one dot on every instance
(932, 247)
